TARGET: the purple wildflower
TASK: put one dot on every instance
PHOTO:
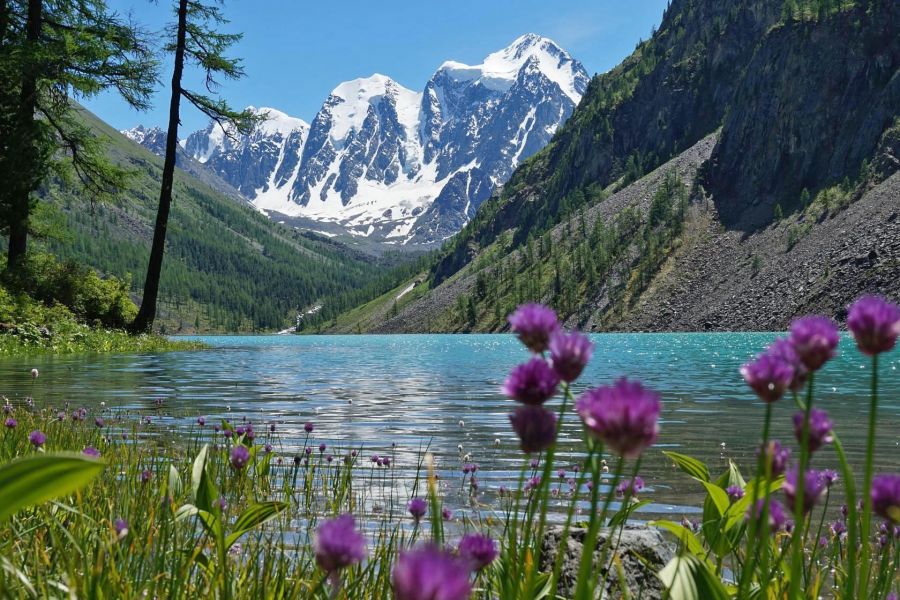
(267, 448)
(769, 376)
(10, 423)
(735, 492)
(417, 507)
(272, 428)
(240, 455)
(446, 514)
(830, 476)
(121, 527)
(91, 451)
(630, 487)
(778, 456)
(99, 422)
(308, 427)
(815, 339)
(874, 323)
(338, 544)
(569, 353)
(776, 513)
(37, 438)
(886, 497)
(819, 428)
(533, 382)
(478, 550)
(322, 447)
(813, 486)
(429, 573)
(623, 415)
(201, 421)
(534, 324)
(386, 461)
(838, 528)
(784, 349)
(145, 476)
(535, 426)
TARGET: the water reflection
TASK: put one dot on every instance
(375, 391)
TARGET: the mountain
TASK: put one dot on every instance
(738, 169)
(383, 162)
(227, 267)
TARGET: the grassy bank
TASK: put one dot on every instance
(30, 341)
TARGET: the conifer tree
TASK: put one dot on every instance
(196, 42)
(53, 54)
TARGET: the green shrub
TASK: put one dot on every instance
(90, 298)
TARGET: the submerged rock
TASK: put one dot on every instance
(642, 551)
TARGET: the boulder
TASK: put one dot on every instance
(642, 551)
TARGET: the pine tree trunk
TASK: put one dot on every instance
(147, 314)
(25, 125)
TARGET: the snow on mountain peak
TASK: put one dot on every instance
(357, 95)
(499, 69)
(277, 121)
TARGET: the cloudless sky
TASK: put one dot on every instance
(296, 51)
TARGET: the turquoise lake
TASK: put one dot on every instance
(396, 394)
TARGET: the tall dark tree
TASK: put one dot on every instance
(51, 55)
(195, 42)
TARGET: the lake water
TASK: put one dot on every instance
(412, 390)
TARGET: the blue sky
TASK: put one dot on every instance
(296, 51)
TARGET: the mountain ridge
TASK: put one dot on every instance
(399, 166)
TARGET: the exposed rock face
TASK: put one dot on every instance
(643, 552)
(814, 102)
(673, 91)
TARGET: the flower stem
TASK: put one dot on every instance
(799, 498)
(584, 590)
(564, 540)
(852, 520)
(753, 549)
(544, 491)
(867, 486)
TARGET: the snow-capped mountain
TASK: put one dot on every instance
(396, 165)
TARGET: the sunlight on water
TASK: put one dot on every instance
(443, 390)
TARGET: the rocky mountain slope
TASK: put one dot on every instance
(395, 165)
(771, 141)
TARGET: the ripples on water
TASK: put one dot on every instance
(414, 390)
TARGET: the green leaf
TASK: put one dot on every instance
(684, 535)
(624, 513)
(689, 465)
(35, 479)
(204, 490)
(254, 515)
(175, 485)
(718, 496)
(686, 577)
(263, 466)
(738, 510)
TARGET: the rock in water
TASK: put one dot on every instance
(642, 551)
